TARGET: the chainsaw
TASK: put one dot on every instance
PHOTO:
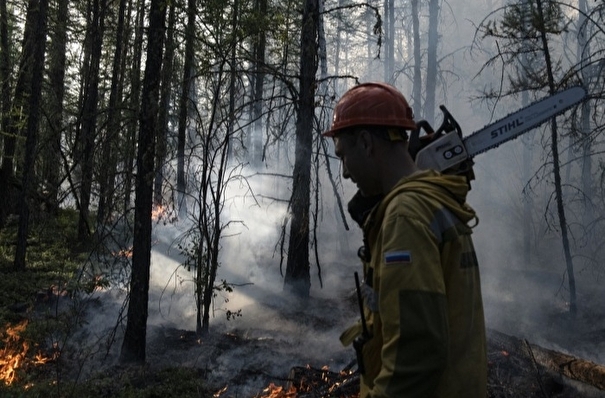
(446, 151)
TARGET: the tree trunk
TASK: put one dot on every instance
(38, 9)
(89, 114)
(557, 168)
(135, 104)
(114, 118)
(184, 106)
(389, 44)
(260, 44)
(52, 151)
(6, 167)
(133, 346)
(417, 85)
(167, 72)
(297, 279)
(431, 65)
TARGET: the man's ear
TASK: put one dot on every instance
(366, 141)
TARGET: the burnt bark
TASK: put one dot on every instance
(184, 106)
(52, 151)
(166, 90)
(297, 278)
(557, 167)
(114, 117)
(133, 346)
(37, 10)
(88, 130)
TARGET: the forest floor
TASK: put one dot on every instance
(52, 355)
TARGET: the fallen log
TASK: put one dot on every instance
(586, 376)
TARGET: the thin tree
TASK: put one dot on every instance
(114, 120)
(6, 167)
(88, 130)
(185, 106)
(432, 63)
(37, 18)
(57, 57)
(133, 346)
(297, 279)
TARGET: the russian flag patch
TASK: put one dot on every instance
(398, 257)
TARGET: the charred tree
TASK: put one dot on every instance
(163, 117)
(185, 106)
(557, 165)
(37, 18)
(297, 278)
(109, 142)
(52, 150)
(134, 103)
(255, 143)
(88, 131)
(133, 346)
(6, 167)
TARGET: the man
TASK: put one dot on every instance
(422, 295)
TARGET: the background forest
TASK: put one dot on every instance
(166, 157)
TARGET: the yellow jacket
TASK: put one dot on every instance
(422, 294)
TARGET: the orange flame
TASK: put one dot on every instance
(13, 355)
(274, 391)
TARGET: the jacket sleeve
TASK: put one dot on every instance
(413, 310)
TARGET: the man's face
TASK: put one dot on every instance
(355, 159)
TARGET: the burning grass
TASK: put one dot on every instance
(15, 354)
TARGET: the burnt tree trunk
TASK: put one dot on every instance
(38, 9)
(557, 168)
(297, 279)
(89, 114)
(133, 346)
(114, 117)
(184, 106)
(167, 71)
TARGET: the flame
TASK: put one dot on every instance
(504, 353)
(125, 253)
(160, 212)
(13, 355)
(274, 391)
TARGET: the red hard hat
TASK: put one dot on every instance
(372, 104)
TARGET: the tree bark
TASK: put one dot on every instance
(88, 131)
(297, 278)
(6, 167)
(133, 346)
(431, 65)
(184, 106)
(166, 90)
(114, 118)
(52, 151)
(557, 168)
(417, 84)
(39, 10)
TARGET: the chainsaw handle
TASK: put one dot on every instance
(417, 142)
(448, 124)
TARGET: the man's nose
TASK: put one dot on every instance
(345, 172)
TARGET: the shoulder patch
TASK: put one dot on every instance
(398, 257)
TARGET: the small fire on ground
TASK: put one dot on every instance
(14, 353)
(307, 382)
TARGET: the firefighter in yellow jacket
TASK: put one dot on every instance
(421, 289)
